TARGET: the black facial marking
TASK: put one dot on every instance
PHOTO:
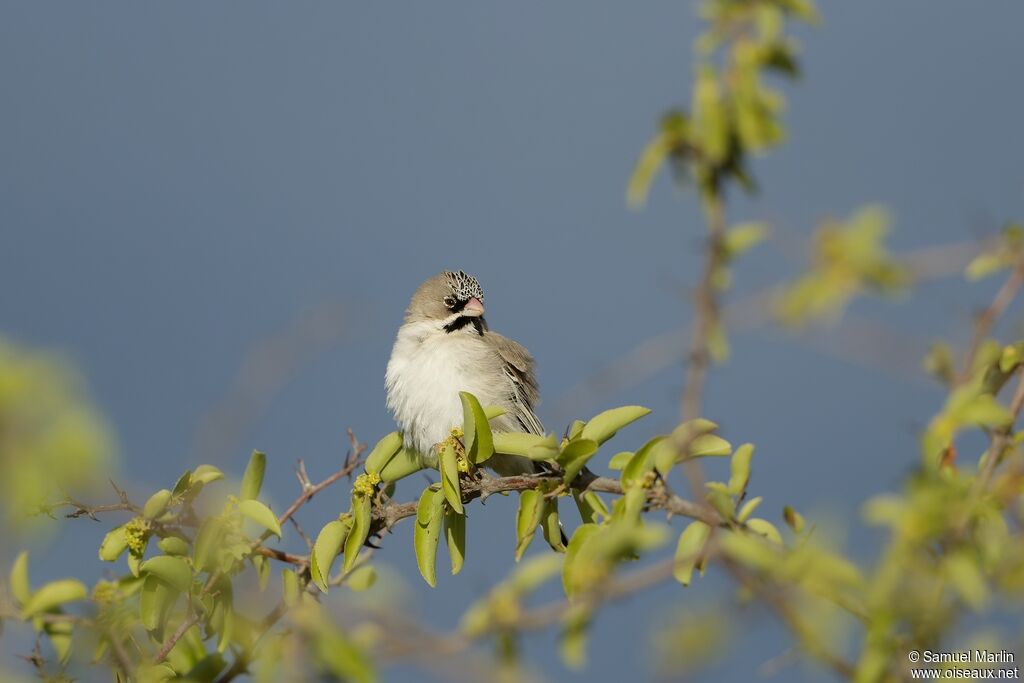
(478, 323)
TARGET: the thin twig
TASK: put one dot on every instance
(165, 649)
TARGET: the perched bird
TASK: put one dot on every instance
(444, 347)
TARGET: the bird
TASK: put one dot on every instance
(444, 346)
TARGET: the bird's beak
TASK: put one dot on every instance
(474, 308)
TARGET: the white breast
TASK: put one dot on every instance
(427, 370)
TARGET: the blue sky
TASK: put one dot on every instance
(180, 181)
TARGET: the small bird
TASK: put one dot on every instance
(444, 347)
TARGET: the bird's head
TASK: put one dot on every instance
(453, 300)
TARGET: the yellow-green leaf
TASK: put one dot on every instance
(427, 533)
(449, 467)
(651, 159)
(740, 469)
(574, 457)
(551, 526)
(383, 452)
(529, 446)
(172, 570)
(155, 600)
(21, 590)
(531, 505)
(748, 508)
(689, 551)
(766, 529)
(113, 544)
(252, 480)
(53, 594)
(205, 474)
(619, 460)
(361, 578)
(156, 504)
(400, 465)
(575, 574)
(604, 426)
(476, 429)
(291, 592)
(328, 545)
(455, 536)
(261, 514)
(361, 518)
(172, 545)
(590, 506)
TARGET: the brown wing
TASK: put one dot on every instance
(524, 393)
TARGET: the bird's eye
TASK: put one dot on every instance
(449, 301)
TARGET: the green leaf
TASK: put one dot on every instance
(793, 519)
(631, 505)
(986, 411)
(967, 579)
(643, 460)
(740, 469)
(113, 544)
(709, 445)
(718, 497)
(573, 641)
(53, 594)
(531, 505)
(694, 436)
(576, 574)
(252, 480)
(749, 549)
(689, 551)
(743, 237)
(550, 525)
(362, 578)
(206, 546)
(985, 264)
(455, 536)
(574, 457)
(766, 529)
(183, 484)
(427, 533)
(382, 453)
(529, 446)
(205, 474)
(619, 460)
(328, 545)
(361, 509)
(400, 465)
(748, 508)
(476, 428)
(155, 673)
(261, 514)
(262, 567)
(21, 590)
(590, 506)
(604, 426)
(449, 467)
(291, 592)
(172, 570)
(59, 634)
(156, 504)
(172, 545)
(651, 159)
(155, 601)
(534, 571)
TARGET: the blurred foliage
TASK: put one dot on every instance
(203, 589)
(53, 443)
(847, 259)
